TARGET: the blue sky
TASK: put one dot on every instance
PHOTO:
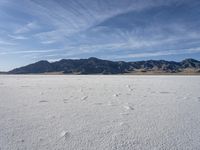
(130, 30)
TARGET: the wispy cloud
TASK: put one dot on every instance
(28, 51)
(71, 17)
(7, 43)
(48, 42)
(27, 27)
(17, 37)
(84, 28)
(161, 53)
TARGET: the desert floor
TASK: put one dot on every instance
(57, 112)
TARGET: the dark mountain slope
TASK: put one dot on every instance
(99, 66)
(38, 67)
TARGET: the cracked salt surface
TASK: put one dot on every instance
(121, 113)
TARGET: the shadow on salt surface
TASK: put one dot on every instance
(98, 103)
(43, 101)
(25, 86)
(164, 92)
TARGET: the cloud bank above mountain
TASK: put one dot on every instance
(32, 30)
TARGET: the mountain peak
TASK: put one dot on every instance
(93, 58)
(190, 60)
(43, 61)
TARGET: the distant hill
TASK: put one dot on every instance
(2, 72)
(98, 66)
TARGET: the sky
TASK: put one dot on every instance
(128, 30)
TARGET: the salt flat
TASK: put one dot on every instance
(99, 112)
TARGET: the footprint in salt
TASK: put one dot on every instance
(185, 97)
(116, 95)
(121, 123)
(22, 141)
(51, 117)
(65, 135)
(84, 98)
(124, 124)
(128, 107)
(129, 88)
(81, 90)
(41, 139)
(111, 104)
(65, 100)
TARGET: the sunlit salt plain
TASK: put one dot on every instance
(99, 112)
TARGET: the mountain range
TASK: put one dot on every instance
(98, 66)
